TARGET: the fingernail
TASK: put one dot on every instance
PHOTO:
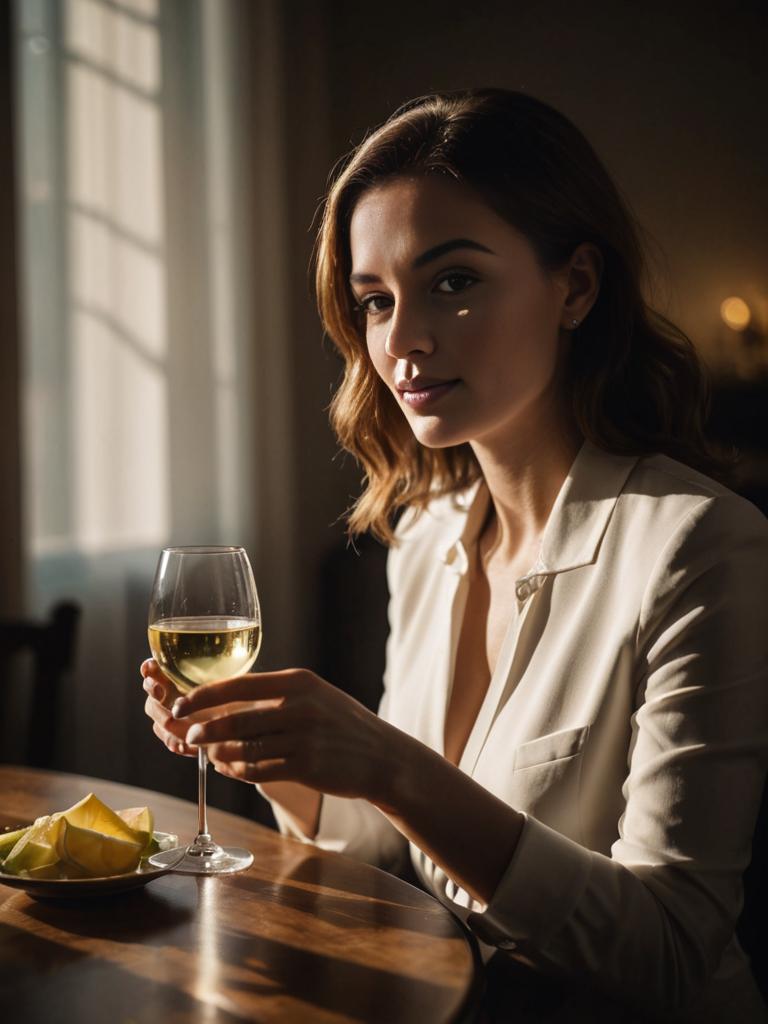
(195, 734)
(148, 684)
(178, 708)
(158, 691)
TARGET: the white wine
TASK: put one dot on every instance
(195, 651)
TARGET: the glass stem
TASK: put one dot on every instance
(202, 815)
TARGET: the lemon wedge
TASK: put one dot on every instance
(89, 839)
(9, 839)
(97, 854)
(141, 821)
(37, 846)
(90, 813)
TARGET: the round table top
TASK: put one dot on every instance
(302, 935)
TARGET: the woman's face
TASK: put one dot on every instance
(462, 324)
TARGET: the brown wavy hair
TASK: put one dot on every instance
(635, 382)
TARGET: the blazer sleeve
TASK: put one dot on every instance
(652, 920)
(353, 827)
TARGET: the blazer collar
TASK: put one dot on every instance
(576, 524)
(583, 508)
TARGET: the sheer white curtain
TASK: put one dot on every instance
(156, 397)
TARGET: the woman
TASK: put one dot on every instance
(571, 743)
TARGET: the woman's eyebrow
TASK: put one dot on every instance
(427, 257)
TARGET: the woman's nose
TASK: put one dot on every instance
(408, 334)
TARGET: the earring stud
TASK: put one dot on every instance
(574, 323)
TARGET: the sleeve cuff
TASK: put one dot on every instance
(353, 827)
(538, 892)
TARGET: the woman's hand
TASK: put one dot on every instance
(292, 726)
(161, 695)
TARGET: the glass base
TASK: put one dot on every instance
(209, 860)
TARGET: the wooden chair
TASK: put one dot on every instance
(50, 647)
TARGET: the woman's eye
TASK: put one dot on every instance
(368, 304)
(457, 283)
(372, 305)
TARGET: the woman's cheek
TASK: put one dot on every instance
(376, 341)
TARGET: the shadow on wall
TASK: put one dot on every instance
(739, 420)
(352, 619)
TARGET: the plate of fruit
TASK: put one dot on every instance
(87, 849)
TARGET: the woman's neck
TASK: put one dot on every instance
(523, 479)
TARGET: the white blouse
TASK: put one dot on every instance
(627, 718)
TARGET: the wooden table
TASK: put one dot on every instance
(302, 935)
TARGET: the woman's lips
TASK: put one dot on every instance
(417, 398)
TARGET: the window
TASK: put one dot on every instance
(96, 349)
(145, 420)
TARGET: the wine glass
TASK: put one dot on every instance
(204, 626)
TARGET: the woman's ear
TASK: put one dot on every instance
(581, 277)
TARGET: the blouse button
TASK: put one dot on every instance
(523, 590)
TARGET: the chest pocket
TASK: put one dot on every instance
(546, 780)
(551, 747)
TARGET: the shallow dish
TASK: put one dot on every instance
(77, 888)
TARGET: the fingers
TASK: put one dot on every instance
(157, 684)
(160, 714)
(173, 743)
(266, 771)
(254, 686)
(270, 758)
(146, 667)
(158, 691)
(172, 733)
(237, 725)
(161, 693)
(251, 751)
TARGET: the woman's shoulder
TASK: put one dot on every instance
(441, 518)
(699, 548)
(683, 493)
(683, 524)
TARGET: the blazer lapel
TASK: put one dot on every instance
(576, 525)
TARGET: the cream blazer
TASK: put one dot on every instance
(627, 718)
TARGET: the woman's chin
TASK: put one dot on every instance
(438, 436)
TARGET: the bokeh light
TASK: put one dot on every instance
(735, 313)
